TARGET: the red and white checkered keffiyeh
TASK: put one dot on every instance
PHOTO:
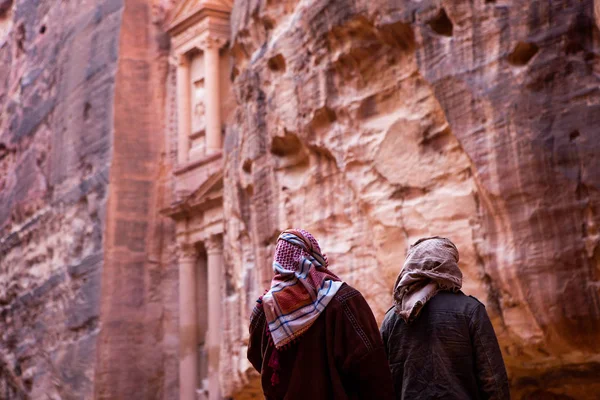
(301, 288)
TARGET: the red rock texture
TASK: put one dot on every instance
(57, 68)
(373, 123)
(137, 347)
(369, 123)
(85, 294)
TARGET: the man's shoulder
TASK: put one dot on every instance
(455, 301)
(347, 298)
(475, 301)
(345, 293)
(390, 317)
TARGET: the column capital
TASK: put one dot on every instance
(212, 41)
(186, 252)
(214, 244)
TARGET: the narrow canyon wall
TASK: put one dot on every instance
(374, 123)
(137, 355)
(57, 76)
(88, 287)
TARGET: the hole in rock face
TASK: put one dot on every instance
(322, 118)
(43, 29)
(441, 24)
(285, 145)
(21, 37)
(268, 23)
(247, 166)
(368, 108)
(398, 35)
(522, 53)
(234, 74)
(3, 151)
(573, 135)
(277, 63)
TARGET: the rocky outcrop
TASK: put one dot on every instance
(57, 67)
(85, 298)
(137, 346)
(374, 123)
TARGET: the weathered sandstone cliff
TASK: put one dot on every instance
(85, 297)
(57, 72)
(373, 123)
(370, 123)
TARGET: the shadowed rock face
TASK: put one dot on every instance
(57, 68)
(82, 165)
(374, 123)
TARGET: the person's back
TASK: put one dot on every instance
(440, 343)
(449, 352)
(313, 336)
(339, 357)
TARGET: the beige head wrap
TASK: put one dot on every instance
(430, 266)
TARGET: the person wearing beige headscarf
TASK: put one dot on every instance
(439, 342)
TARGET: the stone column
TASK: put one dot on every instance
(184, 104)
(212, 94)
(214, 251)
(188, 320)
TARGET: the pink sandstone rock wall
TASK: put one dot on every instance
(88, 299)
(57, 74)
(370, 123)
(137, 355)
(373, 123)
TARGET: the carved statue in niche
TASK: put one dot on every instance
(198, 114)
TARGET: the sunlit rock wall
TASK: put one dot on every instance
(374, 123)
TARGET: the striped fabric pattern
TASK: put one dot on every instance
(301, 288)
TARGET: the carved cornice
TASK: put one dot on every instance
(200, 36)
(207, 195)
(194, 20)
(189, 11)
(194, 31)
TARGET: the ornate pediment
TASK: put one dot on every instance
(189, 11)
(206, 196)
(209, 190)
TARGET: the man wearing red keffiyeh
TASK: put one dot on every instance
(313, 336)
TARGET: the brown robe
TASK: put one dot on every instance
(341, 356)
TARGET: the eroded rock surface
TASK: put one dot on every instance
(369, 123)
(374, 123)
(83, 173)
(57, 67)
